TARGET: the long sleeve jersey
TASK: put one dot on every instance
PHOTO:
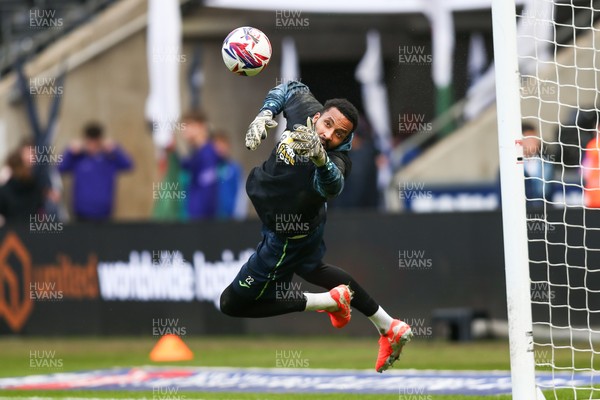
(291, 199)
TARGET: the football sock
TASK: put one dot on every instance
(381, 320)
(320, 301)
(329, 276)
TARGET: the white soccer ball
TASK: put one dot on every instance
(246, 51)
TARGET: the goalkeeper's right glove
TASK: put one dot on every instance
(257, 131)
(305, 141)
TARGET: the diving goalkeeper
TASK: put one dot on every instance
(289, 192)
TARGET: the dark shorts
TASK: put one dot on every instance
(276, 260)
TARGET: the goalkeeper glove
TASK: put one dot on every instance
(257, 131)
(305, 141)
(284, 150)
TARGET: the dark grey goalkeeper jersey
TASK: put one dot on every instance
(290, 199)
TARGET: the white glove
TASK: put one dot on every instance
(284, 150)
(306, 142)
(257, 131)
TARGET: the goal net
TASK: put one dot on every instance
(558, 57)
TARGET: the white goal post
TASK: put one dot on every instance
(547, 69)
(513, 200)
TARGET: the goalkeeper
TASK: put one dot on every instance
(289, 192)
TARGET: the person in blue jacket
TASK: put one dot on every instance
(229, 175)
(95, 164)
(202, 166)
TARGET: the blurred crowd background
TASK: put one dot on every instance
(123, 109)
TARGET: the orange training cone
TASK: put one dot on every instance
(171, 348)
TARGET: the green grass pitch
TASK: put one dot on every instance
(323, 352)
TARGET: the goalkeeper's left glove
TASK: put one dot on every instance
(257, 131)
(305, 141)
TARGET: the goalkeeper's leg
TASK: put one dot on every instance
(394, 332)
(336, 301)
(328, 276)
(236, 305)
(258, 289)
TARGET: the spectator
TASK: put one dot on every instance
(203, 188)
(23, 194)
(538, 171)
(231, 200)
(572, 136)
(591, 172)
(94, 164)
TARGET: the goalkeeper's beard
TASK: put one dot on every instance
(325, 144)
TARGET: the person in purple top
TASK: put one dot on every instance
(202, 164)
(94, 163)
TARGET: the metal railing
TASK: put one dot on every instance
(23, 36)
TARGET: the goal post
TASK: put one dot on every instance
(514, 217)
(547, 70)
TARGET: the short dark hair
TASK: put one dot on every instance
(93, 130)
(526, 126)
(195, 115)
(220, 135)
(345, 107)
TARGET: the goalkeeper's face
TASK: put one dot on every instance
(332, 127)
